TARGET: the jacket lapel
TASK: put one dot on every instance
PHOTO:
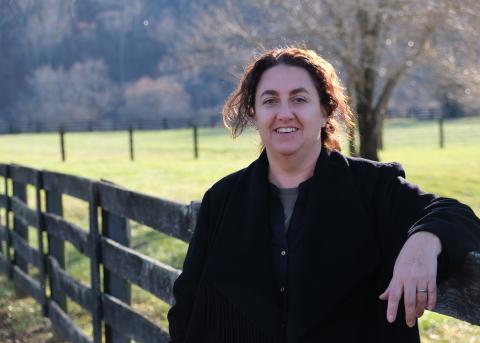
(241, 267)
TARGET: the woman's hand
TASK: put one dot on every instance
(414, 276)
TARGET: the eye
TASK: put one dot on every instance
(299, 99)
(269, 101)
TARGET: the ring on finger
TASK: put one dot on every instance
(422, 290)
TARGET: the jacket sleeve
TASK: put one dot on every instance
(404, 209)
(186, 285)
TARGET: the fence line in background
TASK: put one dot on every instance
(195, 126)
(441, 140)
(107, 247)
(130, 144)
(33, 126)
(120, 124)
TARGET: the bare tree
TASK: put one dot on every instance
(83, 92)
(455, 65)
(148, 98)
(374, 43)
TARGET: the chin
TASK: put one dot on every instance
(285, 151)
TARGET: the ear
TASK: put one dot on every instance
(252, 116)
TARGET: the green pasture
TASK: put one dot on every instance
(164, 166)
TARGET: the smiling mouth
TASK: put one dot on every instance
(286, 129)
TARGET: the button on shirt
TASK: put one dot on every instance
(286, 209)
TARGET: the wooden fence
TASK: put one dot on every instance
(107, 297)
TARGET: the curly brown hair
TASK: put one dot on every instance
(239, 108)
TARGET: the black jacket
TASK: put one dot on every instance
(359, 214)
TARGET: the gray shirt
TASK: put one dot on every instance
(288, 197)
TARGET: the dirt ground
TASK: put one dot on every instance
(39, 333)
(21, 320)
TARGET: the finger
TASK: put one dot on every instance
(410, 299)
(394, 296)
(384, 295)
(421, 302)
(432, 294)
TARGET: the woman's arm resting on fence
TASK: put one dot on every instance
(415, 269)
(185, 287)
(404, 207)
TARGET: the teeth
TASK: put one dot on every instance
(286, 129)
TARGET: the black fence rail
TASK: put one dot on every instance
(37, 126)
(106, 243)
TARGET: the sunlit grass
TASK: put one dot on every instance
(164, 166)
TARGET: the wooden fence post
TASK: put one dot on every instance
(62, 143)
(2, 237)
(20, 191)
(40, 229)
(440, 131)
(116, 228)
(195, 141)
(8, 205)
(56, 247)
(130, 141)
(94, 264)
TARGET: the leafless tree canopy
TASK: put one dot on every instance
(374, 43)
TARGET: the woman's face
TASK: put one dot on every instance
(288, 114)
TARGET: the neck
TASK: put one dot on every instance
(290, 171)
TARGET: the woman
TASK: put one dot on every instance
(305, 244)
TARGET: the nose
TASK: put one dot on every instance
(285, 113)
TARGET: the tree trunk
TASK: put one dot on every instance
(368, 121)
(365, 82)
(380, 130)
(368, 125)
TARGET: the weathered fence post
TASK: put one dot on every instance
(56, 247)
(62, 143)
(130, 141)
(3, 237)
(117, 229)
(8, 210)
(94, 264)
(195, 141)
(20, 191)
(440, 131)
(40, 228)
(8, 237)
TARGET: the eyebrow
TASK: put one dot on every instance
(295, 91)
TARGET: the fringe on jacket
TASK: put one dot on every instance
(223, 323)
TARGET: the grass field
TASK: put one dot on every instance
(165, 167)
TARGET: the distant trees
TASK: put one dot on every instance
(149, 98)
(83, 92)
(136, 57)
